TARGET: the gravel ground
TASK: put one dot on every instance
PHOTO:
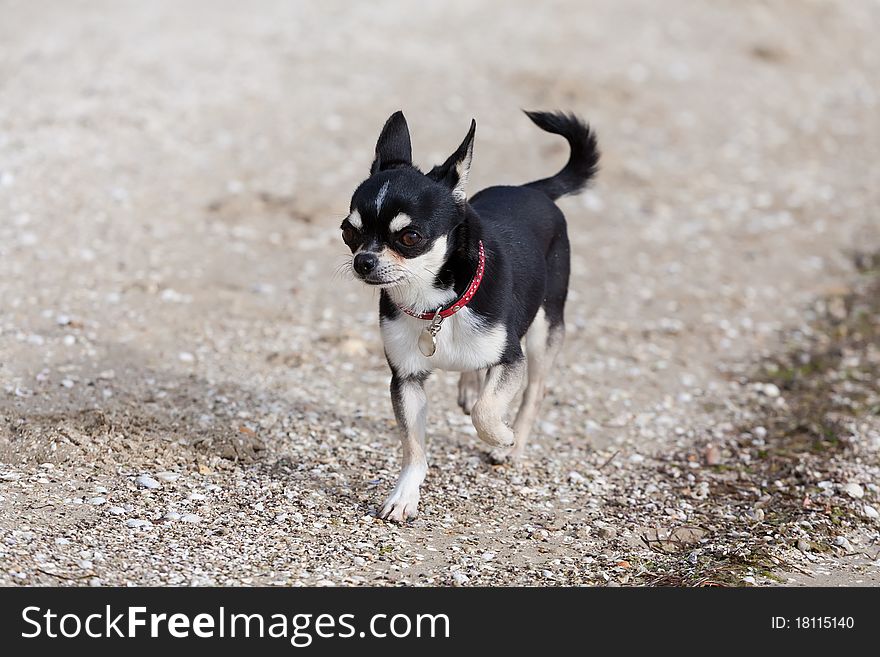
(190, 396)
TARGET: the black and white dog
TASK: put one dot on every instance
(475, 286)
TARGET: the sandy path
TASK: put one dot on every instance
(171, 182)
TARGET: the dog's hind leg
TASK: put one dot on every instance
(411, 409)
(503, 382)
(542, 345)
(469, 387)
(543, 341)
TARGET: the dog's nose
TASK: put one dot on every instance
(364, 263)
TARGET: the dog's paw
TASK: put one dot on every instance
(401, 505)
(498, 435)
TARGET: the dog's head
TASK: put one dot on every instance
(402, 222)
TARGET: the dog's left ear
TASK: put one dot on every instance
(454, 171)
(393, 148)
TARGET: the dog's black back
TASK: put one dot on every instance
(528, 257)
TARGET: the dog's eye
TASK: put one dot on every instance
(349, 234)
(409, 238)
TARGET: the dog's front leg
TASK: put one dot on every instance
(410, 408)
(503, 382)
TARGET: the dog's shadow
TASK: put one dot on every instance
(121, 417)
(122, 414)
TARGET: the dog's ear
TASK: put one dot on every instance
(393, 148)
(454, 171)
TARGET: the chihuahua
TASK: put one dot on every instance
(475, 286)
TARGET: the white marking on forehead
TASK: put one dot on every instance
(399, 222)
(355, 219)
(380, 198)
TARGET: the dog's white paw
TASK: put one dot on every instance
(489, 425)
(401, 505)
(496, 435)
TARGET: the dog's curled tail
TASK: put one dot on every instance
(583, 163)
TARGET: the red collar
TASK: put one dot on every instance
(463, 300)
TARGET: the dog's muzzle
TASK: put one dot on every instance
(369, 268)
(365, 263)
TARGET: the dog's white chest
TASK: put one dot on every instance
(464, 343)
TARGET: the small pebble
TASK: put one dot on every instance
(854, 490)
(576, 477)
(712, 455)
(607, 532)
(842, 541)
(146, 481)
(772, 391)
(136, 523)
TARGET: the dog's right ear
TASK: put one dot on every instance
(454, 171)
(393, 148)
